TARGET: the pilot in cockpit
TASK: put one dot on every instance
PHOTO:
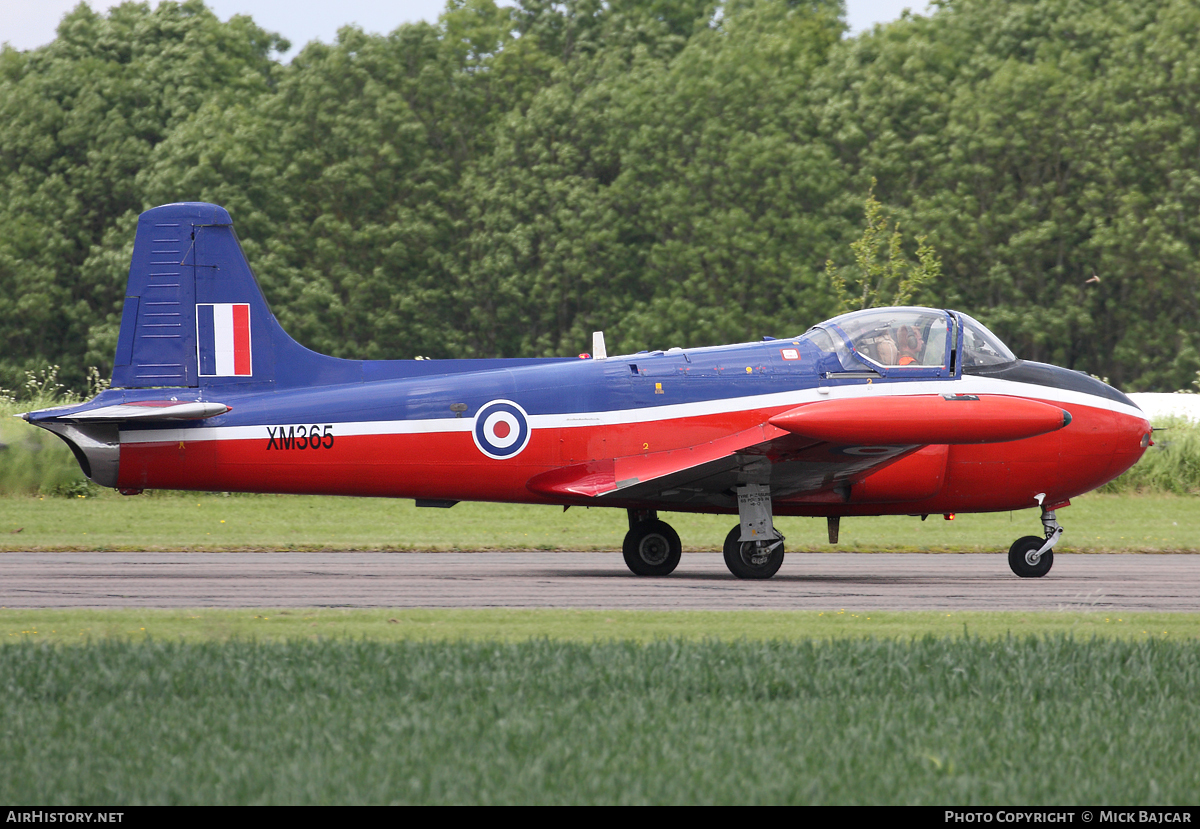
(899, 346)
(911, 346)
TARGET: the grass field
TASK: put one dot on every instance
(125, 707)
(181, 521)
(208, 625)
(961, 721)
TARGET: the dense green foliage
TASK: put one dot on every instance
(32, 460)
(882, 273)
(83, 117)
(935, 721)
(678, 172)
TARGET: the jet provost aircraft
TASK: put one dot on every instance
(886, 411)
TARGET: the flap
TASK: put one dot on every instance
(606, 476)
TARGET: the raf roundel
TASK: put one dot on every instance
(501, 429)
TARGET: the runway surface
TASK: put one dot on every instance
(807, 581)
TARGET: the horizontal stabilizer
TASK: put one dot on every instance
(923, 419)
(147, 410)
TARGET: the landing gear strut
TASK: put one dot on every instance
(1032, 557)
(651, 547)
(754, 548)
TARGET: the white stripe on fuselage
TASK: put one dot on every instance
(676, 411)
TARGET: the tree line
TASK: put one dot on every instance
(674, 172)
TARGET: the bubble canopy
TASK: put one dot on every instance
(908, 340)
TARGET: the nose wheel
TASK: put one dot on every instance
(1032, 557)
(1026, 561)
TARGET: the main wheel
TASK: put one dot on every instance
(652, 548)
(751, 559)
(1018, 557)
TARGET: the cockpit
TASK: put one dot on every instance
(906, 340)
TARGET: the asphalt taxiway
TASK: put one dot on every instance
(807, 581)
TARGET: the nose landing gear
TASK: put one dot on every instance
(1032, 557)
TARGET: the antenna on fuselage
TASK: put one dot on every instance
(599, 352)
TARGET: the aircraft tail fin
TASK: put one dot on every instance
(195, 316)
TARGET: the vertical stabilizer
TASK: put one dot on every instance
(196, 318)
(194, 314)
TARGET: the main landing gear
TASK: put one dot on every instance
(651, 547)
(752, 559)
(1032, 557)
(753, 548)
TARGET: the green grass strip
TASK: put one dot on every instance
(507, 625)
(170, 521)
(954, 721)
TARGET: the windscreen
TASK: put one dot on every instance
(981, 347)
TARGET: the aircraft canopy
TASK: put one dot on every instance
(908, 337)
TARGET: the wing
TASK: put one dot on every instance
(821, 447)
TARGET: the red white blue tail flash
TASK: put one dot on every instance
(223, 339)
